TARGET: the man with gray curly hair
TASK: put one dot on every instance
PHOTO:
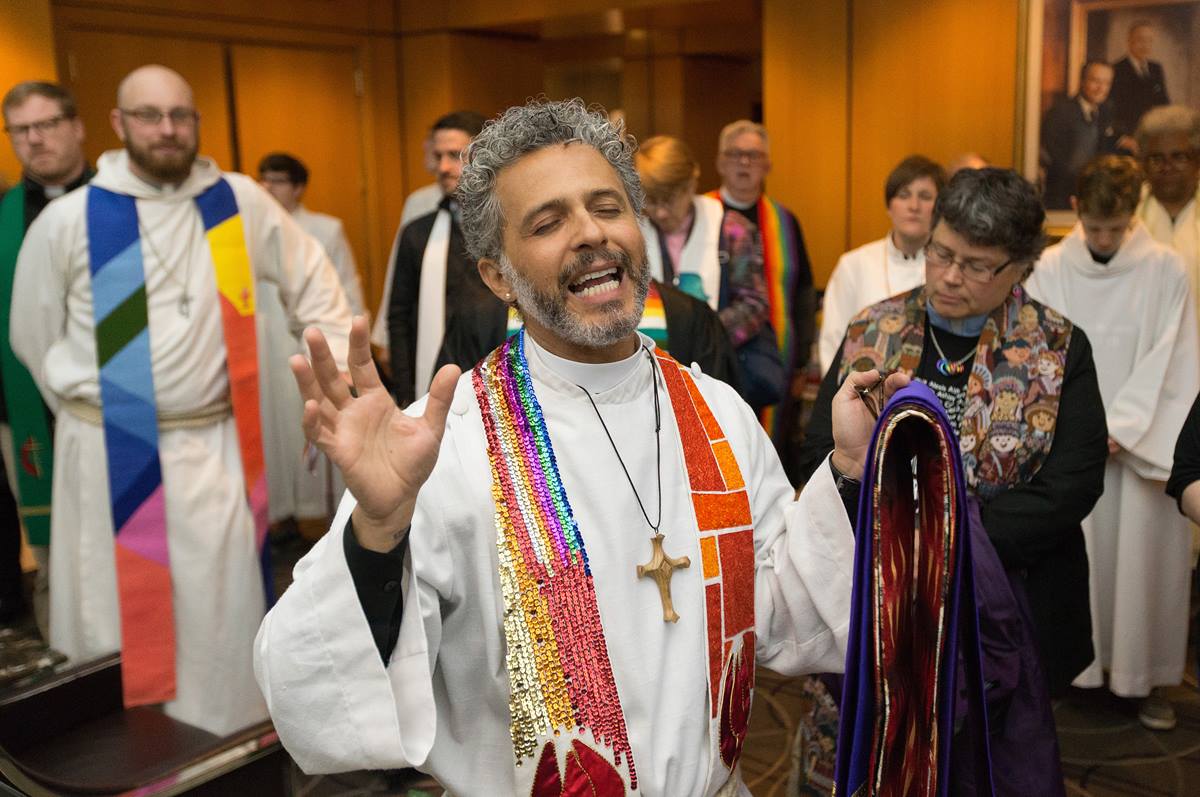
(1169, 146)
(559, 570)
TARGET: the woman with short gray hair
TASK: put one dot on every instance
(1018, 382)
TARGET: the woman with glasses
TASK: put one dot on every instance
(893, 264)
(1018, 382)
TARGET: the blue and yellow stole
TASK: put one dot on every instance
(130, 417)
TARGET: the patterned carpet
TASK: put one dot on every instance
(1105, 750)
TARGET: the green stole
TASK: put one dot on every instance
(32, 446)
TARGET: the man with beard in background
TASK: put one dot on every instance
(133, 308)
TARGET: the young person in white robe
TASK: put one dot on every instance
(1168, 140)
(133, 309)
(1131, 296)
(477, 610)
(892, 265)
(300, 486)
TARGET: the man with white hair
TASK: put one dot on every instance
(1169, 147)
(744, 161)
(133, 307)
(483, 608)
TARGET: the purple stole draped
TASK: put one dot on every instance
(913, 613)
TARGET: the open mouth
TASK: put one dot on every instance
(597, 283)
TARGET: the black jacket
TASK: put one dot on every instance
(1132, 95)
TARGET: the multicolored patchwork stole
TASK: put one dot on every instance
(32, 446)
(560, 674)
(914, 593)
(653, 323)
(780, 271)
(131, 423)
(1013, 389)
(722, 507)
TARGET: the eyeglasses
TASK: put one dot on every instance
(181, 117)
(42, 127)
(753, 156)
(939, 256)
(1179, 157)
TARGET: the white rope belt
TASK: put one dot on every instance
(188, 419)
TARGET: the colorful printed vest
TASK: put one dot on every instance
(567, 724)
(1013, 389)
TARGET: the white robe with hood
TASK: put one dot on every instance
(216, 580)
(1138, 312)
(442, 702)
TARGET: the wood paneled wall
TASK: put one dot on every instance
(852, 88)
(341, 56)
(27, 53)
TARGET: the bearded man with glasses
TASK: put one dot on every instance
(1018, 381)
(47, 137)
(135, 310)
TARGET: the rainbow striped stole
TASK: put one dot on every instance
(560, 676)
(653, 323)
(131, 424)
(779, 265)
(780, 249)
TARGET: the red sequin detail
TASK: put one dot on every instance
(703, 472)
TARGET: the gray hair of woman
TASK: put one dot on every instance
(994, 207)
(519, 131)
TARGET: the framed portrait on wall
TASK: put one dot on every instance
(1092, 68)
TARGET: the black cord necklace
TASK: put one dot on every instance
(657, 444)
(661, 566)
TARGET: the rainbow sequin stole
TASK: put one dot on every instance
(560, 675)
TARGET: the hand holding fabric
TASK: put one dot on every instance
(385, 455)
(853, 421)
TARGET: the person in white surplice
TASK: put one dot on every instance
(299, 487)
(215, 581)
(892, 265)
(1132, 297)
(476, 610)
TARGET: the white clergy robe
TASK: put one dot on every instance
(297, 488)
(419, 203)
(1181, 234)
(863, 276)
(215, 574)
(1138, 312)
(442, 703)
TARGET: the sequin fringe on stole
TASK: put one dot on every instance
(560, 675)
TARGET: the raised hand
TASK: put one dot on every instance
(384, 455)
(853, 420)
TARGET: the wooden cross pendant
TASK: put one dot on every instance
(660, 568)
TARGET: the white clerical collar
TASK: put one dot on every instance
(734, 203)
(593, 377)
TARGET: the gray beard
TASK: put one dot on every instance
(550, 310)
